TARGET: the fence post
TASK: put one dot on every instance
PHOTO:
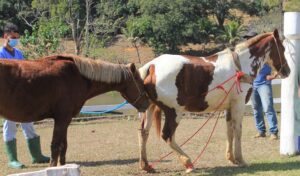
(290, 103)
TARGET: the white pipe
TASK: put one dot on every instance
(290, 105)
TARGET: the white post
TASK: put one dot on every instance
(290, 103)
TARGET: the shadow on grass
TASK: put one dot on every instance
(108, 162)
(105, 162)
(252, 169)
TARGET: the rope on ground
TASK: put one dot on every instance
(104, 112)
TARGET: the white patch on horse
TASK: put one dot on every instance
(224, 69)
(179, 116)
(244, 56)
(167, 68)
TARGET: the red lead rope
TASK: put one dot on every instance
(237, 77)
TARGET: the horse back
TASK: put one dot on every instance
(179, 81)
(34, 89)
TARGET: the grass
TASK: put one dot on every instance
(110, 147)
(287, 166)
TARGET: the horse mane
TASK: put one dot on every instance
(251, 41)
(96, 70)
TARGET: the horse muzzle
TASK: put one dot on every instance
(285, 72)
(142, 102)
(144, 106)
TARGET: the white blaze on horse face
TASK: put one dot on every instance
(167, 68)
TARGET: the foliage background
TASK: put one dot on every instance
(165, 27)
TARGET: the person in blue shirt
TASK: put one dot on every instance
(8, 51)
(262, 103)
(262, 100)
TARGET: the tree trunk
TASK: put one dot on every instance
(88, 4)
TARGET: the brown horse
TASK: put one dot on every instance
(58, 86)
(178, 83)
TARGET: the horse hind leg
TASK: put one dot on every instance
(146, 123)
(183, 157)
(171, 123)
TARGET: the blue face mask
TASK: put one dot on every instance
(13, 42)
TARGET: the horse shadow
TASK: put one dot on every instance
(116, 162)
(251, 169)
(106, 162)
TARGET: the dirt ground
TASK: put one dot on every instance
(110, 147)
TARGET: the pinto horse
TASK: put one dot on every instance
(177, 83)
(58, 86)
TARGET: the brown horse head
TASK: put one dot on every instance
(277, 58)
(133, 89)
(266, 48)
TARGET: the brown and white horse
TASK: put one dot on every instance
(177, 83)
(58, 86)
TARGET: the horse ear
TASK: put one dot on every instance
(276, 34)
(132, 67)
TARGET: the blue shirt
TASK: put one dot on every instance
(17, 54)
(261, 76)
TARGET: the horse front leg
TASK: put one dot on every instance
(143, 135)
(237, 112)
(63, 150)
(59, 141)
(229, 144)
(171, 123)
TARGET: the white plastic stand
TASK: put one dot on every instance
(66, 170)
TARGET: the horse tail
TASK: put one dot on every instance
(157, 119)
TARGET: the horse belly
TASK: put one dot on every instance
(26, 102)
(217, 101)
(221, 99)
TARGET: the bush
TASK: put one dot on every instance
(44, 39)
(165, 26)
(261, 7)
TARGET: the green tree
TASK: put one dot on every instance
(110, 18)
(9, 10)
(44, 39)
(71, 12)
(219, 9)
(256, 7)
(165, 26)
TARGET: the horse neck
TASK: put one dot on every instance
(253, 58)
(100, 87)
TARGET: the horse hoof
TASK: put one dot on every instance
(189, 168)
(233, 162)
(238, 163)
(149, 169)
(242, 164)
